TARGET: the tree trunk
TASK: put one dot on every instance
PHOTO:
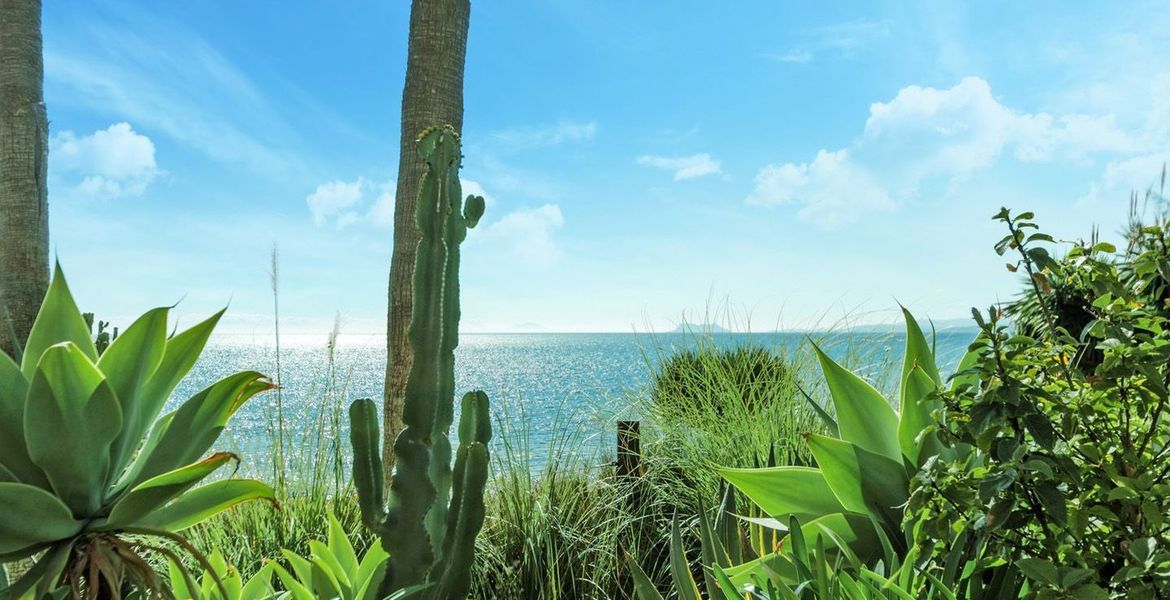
(24, 153)
(433, 95)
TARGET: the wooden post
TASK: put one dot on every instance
(629, 449)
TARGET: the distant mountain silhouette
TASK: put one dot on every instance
(685, 327)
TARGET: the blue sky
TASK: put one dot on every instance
(795, 162)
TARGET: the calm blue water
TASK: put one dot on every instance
(541, 383)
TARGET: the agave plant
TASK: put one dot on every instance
(90, 474)
(333, 570)
(862, 478)
(220, 581)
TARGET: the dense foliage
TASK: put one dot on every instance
(1061, 458)
(695, 381)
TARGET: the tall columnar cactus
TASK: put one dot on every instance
(434, 511)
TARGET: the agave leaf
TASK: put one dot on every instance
(372, 567)
(369, 582)
(342, 549)
(179, 356)
(205, 501)
(864, 417)
(259, 586)
(295, 587)
(301, 566)
(157, 491)
(59, 320)
(782, 491)
(324, 557)
(325, 583)
(189, 431)
(918, 352)
(680, 568)
(127, 364)
(643, 587)
(13, 451)
(71, 417)
(864, 482)
(31, 518)
(915, 416)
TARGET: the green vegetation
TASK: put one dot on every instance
(1039, 470)
(435, 511)
(89, 471)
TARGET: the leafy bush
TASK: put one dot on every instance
(1061, 463)
(89, 471)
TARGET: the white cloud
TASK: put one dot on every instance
(113, 162)
(684, 167)
(831, 189)
(924, 135)
(794, 55)
(381, 212)
(527, 234)
(335, 200)
(551, 135)
(346, 202)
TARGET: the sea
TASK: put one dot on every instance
(544, 388)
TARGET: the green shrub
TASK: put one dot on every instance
(1062, 463)
(712, 380)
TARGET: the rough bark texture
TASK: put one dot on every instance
(433, 95)
(24, 153)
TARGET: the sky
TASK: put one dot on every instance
(790, 164)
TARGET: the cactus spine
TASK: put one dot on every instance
(434, 512)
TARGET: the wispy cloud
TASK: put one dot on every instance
(844, 39)
(684, 167)
(165, 78)
(111, 163)
(548, 135)
(925, 134)
(527, 235)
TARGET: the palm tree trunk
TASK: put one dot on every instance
(24, 153)
(433, 95)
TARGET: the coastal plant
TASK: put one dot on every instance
(1061, 463)
(220, 581)
(862, 478)
(708, 379)
(90, 474)
(333, 570)
(435, 510)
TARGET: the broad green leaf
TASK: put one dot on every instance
(157, 491)
(782, 491)
(864, 417)
(319, 553)
(206, 501)
(59, 320)
(915, 415)
(259, 586)
(180, 355)
(342, 549)
(190, 430)
(864, 482)
(32, 517)
(71, 417)
(372, 567)
(13, 450)
(127, 364)
(294, 586)
(918, 352)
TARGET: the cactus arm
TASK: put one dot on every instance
(364, 436)
(465, 518)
